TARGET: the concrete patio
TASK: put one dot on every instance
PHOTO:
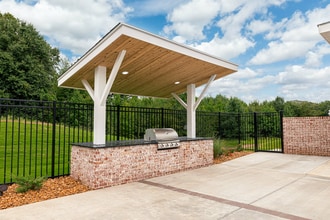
(257, 186)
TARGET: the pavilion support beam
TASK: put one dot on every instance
(102, 88)
(191, 112)
(192, 105)
(202, 95)
(112, 76)
(100, 79)
(88, 88)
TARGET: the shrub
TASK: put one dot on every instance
(217, 149)
(225, 147)
(29, 183)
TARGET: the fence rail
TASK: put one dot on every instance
(36, 136)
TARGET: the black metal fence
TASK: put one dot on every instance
(251, 131)
(36, 136)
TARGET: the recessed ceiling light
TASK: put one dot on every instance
(124, 73)
(177, 82)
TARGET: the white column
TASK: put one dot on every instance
(100, 79)
(191, 111)
(192, 106)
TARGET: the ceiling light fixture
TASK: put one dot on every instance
(124, 72)
(177, 83)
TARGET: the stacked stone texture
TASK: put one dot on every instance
(307, 135)
(103, 167)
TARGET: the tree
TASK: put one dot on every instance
(27, 61)
(236, 105)
(278, 104)
(70, 95)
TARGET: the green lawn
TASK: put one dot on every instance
(264, 143)
(26, 148)
(223, 146)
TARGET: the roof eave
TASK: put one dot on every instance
(324, 30)
(124, 29)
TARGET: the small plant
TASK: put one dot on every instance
(225, 147)
(239, 148)
(217, 149)
(26, 183)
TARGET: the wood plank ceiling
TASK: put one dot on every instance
(152, 69)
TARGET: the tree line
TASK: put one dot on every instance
(30, 67)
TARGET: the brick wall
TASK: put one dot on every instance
(307, 135)
(103, 167)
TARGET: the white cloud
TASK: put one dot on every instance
(278, 51)
(152, 7)
(230, 17)
(189, 19)
(256, 27)
(246, 73)
(225, 48)
(73, 24)
(293, 37)
(299, 82)
(294, 75)
(246, 84)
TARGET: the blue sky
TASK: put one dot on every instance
(276, 43)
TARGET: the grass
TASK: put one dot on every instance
(26, 148)
(226, 146)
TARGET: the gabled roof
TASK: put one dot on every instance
(324, 30)
(153, 64)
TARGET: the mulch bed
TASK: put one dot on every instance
(64, 186)
(51, 188)
(231, 156)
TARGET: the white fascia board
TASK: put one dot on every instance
(179, 48)
(324, 27)
(324, 30)
(93, 52)
(124, 29)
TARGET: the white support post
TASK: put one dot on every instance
(191, 112)
(192, 105)
(100, 78)
(99, 95)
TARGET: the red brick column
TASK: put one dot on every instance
(108, 166)
(307, 135)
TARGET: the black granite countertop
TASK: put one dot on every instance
(132, 142)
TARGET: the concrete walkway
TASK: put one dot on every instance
(257, 186)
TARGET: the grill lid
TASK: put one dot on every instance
(160, 134)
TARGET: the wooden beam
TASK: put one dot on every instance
(112, 76)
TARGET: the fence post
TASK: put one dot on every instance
(255, 121)
(162, 119)
(239, 128)
(118, 122)
(53, 139)
(281, 124)
(219, 123)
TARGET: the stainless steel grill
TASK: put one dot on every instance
(164, 137)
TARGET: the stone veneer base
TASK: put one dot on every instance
(307, 135)
(99, 167)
